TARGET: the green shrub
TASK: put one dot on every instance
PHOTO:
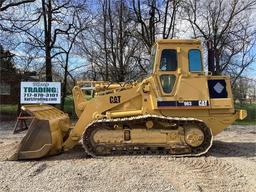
(8, 108)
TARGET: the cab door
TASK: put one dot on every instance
(167, 72)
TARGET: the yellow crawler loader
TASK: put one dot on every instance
(175, 111)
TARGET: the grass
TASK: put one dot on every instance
(69, 105)
(69, 108)
(12, 108)
(244, 122)
(8, 109)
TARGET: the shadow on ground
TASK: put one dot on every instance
(76, 153)
(233, 149)
(219, 149)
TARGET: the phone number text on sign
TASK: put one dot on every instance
(40, 92)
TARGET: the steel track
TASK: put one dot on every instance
(138, 149)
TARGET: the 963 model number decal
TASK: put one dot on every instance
(198, 103)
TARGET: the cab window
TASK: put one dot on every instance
(168, 60)
(167, 82)
(195, 62)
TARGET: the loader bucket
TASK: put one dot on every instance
(45, 134)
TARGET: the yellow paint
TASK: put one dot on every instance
(131, 99)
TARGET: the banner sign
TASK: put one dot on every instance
(40, 92)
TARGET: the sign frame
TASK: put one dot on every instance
(40, 92)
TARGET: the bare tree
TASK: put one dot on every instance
(54, 15)
(169, 17)
(5, 4)
(105, 5)
(241, 89)
(148, 22)
(65, 49)
(110, 45)
(155, 18)
(228, 25)
(118, 42)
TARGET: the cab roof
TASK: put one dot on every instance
(178, 41)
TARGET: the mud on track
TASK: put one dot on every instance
(230, 165)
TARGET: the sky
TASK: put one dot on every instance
(80, 60)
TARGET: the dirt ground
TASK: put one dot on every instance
(230, 165)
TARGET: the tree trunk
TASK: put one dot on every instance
(64, 86)
(112, 36)
(47, 15)
(121, 54)
(48, 64)
(210, 57)
(105, 38)
(217, 59)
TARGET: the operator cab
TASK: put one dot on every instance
(176, 57)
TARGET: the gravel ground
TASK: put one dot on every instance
(230, 165)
